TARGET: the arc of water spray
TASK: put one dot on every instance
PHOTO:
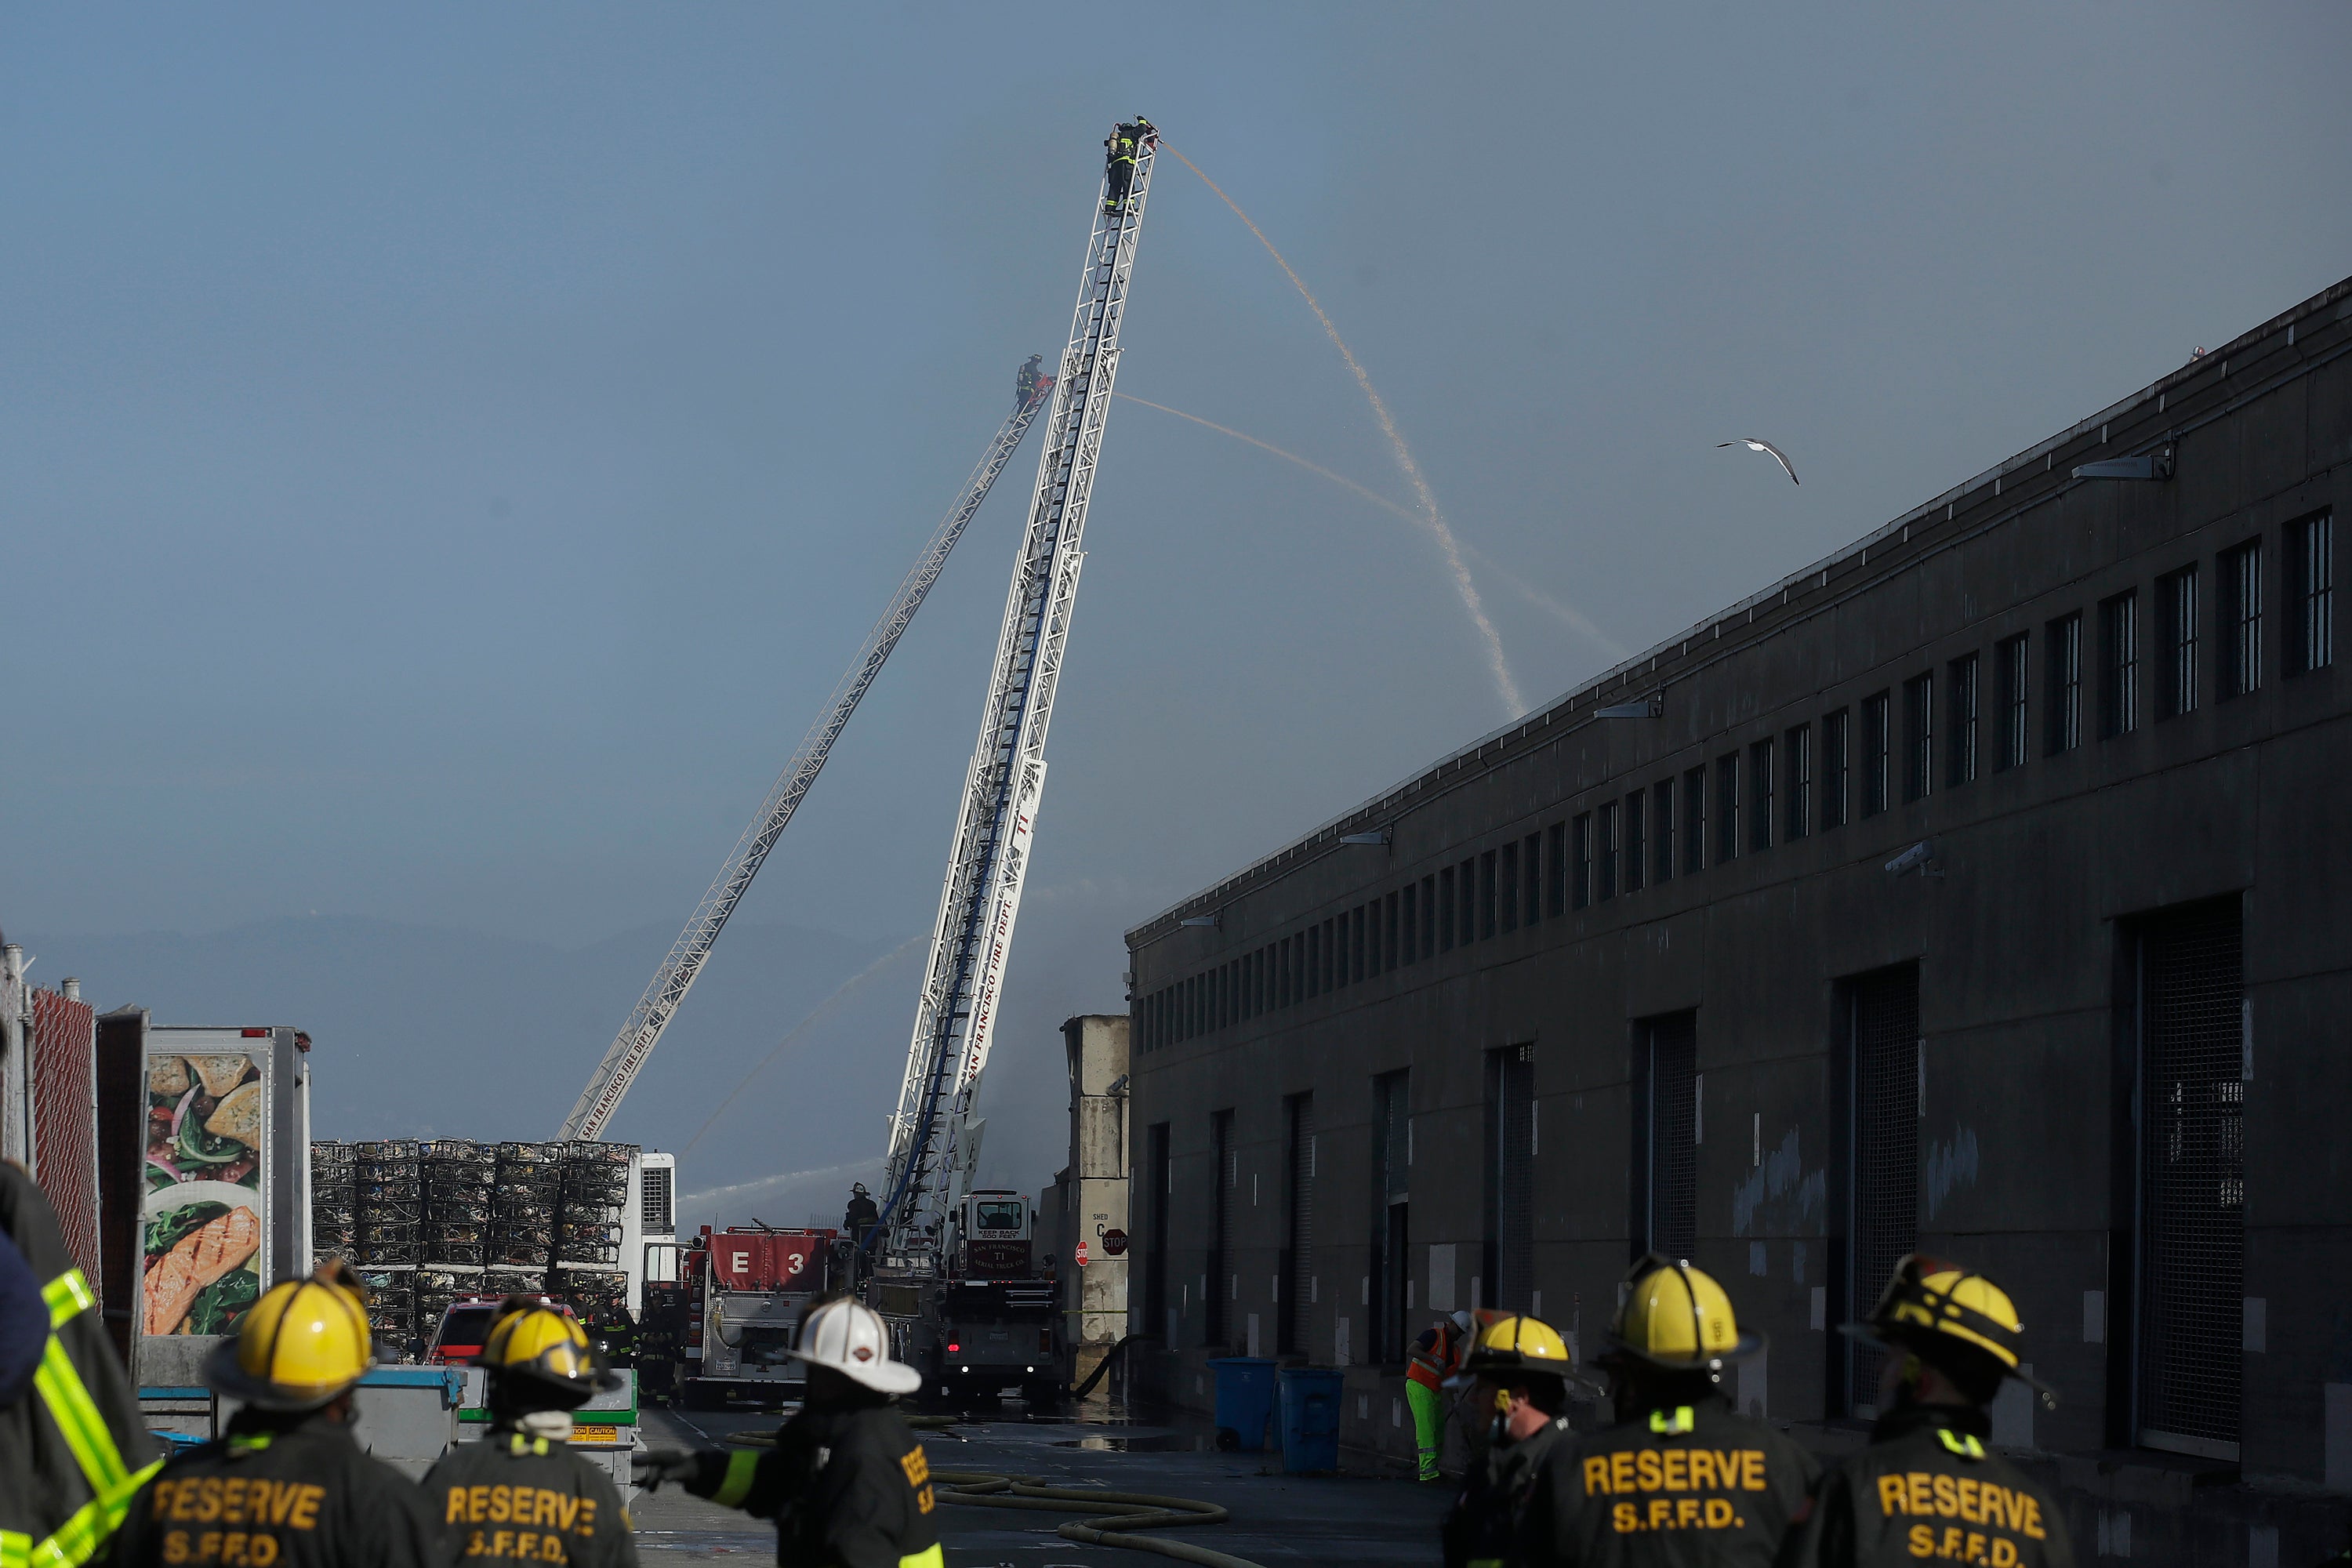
(1567, 614)
(817, 1014)
(1433, 516)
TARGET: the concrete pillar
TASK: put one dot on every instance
(1094, 1296)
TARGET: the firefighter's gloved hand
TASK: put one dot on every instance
(651, 1466)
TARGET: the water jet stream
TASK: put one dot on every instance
(1567, 614)
(1433, 518)
(817, 1014)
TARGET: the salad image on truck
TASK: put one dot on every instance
(206, 1127)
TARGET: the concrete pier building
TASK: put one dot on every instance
(1978, 890)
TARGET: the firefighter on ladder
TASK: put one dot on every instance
(847, 1483)
(861, 1214)
(1436, 1356)
(1025, 380)
(1119, 177)
(286, 1484)
(73, 1448)
(1929, 1485)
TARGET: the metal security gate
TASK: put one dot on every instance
(1391, 1171)
(1674, 1133)
(1298, 1248)
(1219, 1287)
(2192, 1164)
(1886, 1070)
(1510, 1177)
(1157, 1313)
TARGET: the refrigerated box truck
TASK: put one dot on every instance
(224, 1190)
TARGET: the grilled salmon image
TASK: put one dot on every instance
(195, 1260)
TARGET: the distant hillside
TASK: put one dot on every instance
(424, 1031)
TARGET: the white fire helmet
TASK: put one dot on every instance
(851, 1338)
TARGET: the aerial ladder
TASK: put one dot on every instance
(932, 1134)
(643, 1031)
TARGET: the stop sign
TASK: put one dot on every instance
(1082, 1255)
(1114, 1242)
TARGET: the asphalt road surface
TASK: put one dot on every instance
(1283, 1522)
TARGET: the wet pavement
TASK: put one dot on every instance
(1349, 1521)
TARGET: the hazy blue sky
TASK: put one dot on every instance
(450, 453)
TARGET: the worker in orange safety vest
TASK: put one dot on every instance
(1436, 1356)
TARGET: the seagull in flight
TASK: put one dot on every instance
(1755, 446)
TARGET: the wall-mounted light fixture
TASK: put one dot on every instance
(2156, 464)
(1919, 858)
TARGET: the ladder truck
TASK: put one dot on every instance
(643, 1031)
(951, 1267)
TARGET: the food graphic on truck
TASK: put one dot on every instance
(206, 1120)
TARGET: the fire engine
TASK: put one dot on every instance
(988, 1323)
(746, 1286)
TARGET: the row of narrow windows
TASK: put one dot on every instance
(1810, 777)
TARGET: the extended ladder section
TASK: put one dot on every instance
(654, 1009)
(956, 1012)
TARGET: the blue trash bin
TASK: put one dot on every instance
(1244, 1401)
(1310, 1418)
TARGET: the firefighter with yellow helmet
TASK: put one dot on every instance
(1681, 1478)
(521, 1494)
(846, 1482)
(1929, 1485)
(1517, 1372)
(286, 1484)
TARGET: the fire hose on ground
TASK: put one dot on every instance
(1131, 1510)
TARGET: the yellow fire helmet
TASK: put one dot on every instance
(1514, 1343)
(1676, 1317)
(298, 1347)
(1931, 1305)
(547, 1350)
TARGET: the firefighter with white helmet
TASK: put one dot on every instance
(1681, 1478)
(286, 1484)
(1518, 1372)
(847, 1483)
(521, 1494)
(1929, 1485)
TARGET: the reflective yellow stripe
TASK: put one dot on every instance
(83, 1426)
(78, 1537)
(67, 1295)
(737, 1485)
(77, 1418)
(1963, 1443)
(74, 1542)
(1683, 1420)
(929, 1557)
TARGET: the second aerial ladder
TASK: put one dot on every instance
(643, 1030)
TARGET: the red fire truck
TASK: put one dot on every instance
(745, 1289)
